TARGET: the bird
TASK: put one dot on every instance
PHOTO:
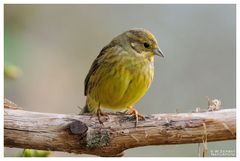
(122, 73)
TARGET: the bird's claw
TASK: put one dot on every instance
(136, 115)
(99, 114)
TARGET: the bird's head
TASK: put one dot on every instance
(142, 42)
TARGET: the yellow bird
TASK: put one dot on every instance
(122, 73)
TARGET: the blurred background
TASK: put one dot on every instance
(48, 50)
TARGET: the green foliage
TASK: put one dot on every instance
(12, 55)
(12, 47)
(35, 153)
(12, 72)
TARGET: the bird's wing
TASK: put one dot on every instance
(96, 64)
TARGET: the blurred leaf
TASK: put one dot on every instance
(35, 153)
(12, 72)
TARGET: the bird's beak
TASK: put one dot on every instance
(158, 52)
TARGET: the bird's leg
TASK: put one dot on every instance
(135, 113)
(100, 113)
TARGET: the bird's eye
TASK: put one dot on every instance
(146, 45)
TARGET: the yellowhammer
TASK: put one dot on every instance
(122, 73)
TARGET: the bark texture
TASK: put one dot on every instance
(83, 134)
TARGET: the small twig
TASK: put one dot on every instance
(214, 104)
(205, 141)
(9, 104)
(227, 127)
(199, 150)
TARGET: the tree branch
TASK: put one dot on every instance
(83, 134)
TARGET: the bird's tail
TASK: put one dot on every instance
(85, 109)
(90, 106)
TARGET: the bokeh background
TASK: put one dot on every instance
(50, 48)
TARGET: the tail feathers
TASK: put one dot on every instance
(90, 107)
(85, 109)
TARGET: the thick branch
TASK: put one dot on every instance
(83, 134)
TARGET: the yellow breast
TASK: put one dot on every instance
(122, 84)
